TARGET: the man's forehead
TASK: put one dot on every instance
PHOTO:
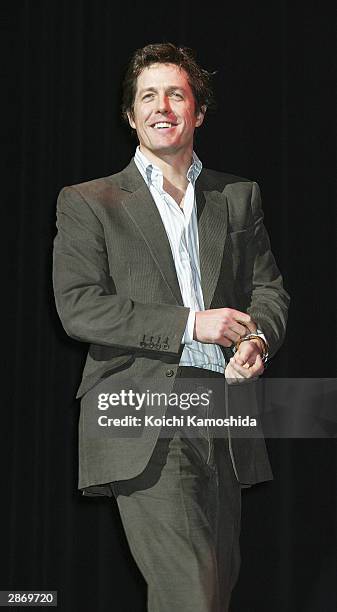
(157, 73)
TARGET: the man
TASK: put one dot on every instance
(161, 269)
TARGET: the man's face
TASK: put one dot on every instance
(164, 110)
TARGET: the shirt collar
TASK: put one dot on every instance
(152, 174)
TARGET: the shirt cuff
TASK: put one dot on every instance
(189, 329)
(260, 333)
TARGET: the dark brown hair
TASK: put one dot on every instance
(167, 53)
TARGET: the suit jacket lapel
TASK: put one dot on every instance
(212, 222)
(143, 211)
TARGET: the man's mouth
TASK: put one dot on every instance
(162, 125)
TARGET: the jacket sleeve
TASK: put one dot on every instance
(85, 295)
(269, 300)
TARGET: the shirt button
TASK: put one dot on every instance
(169, 373)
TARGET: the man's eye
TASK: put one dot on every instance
(177, 94)
(147, 96)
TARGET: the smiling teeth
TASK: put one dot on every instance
(162, 124)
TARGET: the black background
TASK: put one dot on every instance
(276, 124)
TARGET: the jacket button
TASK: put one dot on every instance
(169, 373)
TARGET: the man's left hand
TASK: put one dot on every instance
(246, 363)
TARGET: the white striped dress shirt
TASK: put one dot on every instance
(181, 227)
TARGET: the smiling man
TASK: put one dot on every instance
(165, 269)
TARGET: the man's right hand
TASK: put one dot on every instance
(223, 326)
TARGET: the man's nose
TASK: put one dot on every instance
(163, 105)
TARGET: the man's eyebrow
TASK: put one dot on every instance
(169, 88)
(147, 89)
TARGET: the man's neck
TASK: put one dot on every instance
(174, 167)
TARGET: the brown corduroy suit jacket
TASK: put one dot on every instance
(116, 288)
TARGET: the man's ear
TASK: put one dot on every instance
(131, 120)
(200, 116)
